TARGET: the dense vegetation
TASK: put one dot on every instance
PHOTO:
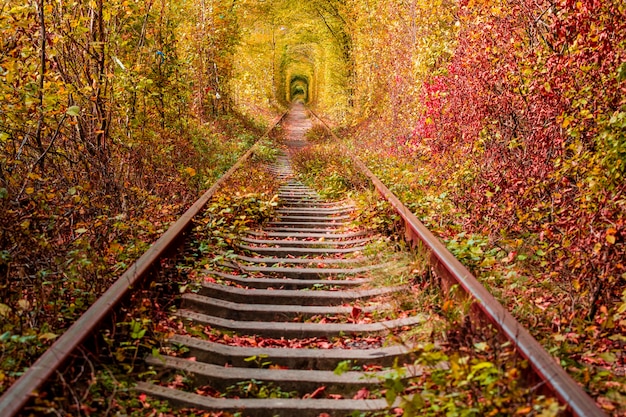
(501, 123)
(506, 121)
(110, 126)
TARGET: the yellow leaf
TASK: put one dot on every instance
(610, 235)
(24, 304)
(190, 171)
(30, 190)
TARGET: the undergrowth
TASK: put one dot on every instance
(324, 167)
(464, 370)
(101, 377)
(65, 242)
(519, 269)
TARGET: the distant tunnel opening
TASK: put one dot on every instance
(299, 89)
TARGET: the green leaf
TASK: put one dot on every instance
(390, 396)
(608, 357)
(73, 111)
(138, 335)
(621, 72)
(342, 367)
(25, 339)
(476, 250)
(481, 346)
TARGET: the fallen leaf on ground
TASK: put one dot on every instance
(315, 394)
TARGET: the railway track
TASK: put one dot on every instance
(286, 274)
(306, 317)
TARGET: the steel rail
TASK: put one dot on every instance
(545, 366)
(17, 396)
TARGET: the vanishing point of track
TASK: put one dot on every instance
(306, 263)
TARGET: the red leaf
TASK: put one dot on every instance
(362, 394)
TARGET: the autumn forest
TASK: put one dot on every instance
(500, 123)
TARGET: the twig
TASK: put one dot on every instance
(56, 134)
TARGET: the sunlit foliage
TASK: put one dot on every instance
(292, 51)
(109, 126)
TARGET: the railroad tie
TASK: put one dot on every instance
(304, 276)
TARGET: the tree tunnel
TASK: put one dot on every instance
(299, 89)
(295, 53)
(298, 73)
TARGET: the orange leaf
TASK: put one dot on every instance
(316, 393)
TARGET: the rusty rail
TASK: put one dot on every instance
(16, 397)
(578, 402)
